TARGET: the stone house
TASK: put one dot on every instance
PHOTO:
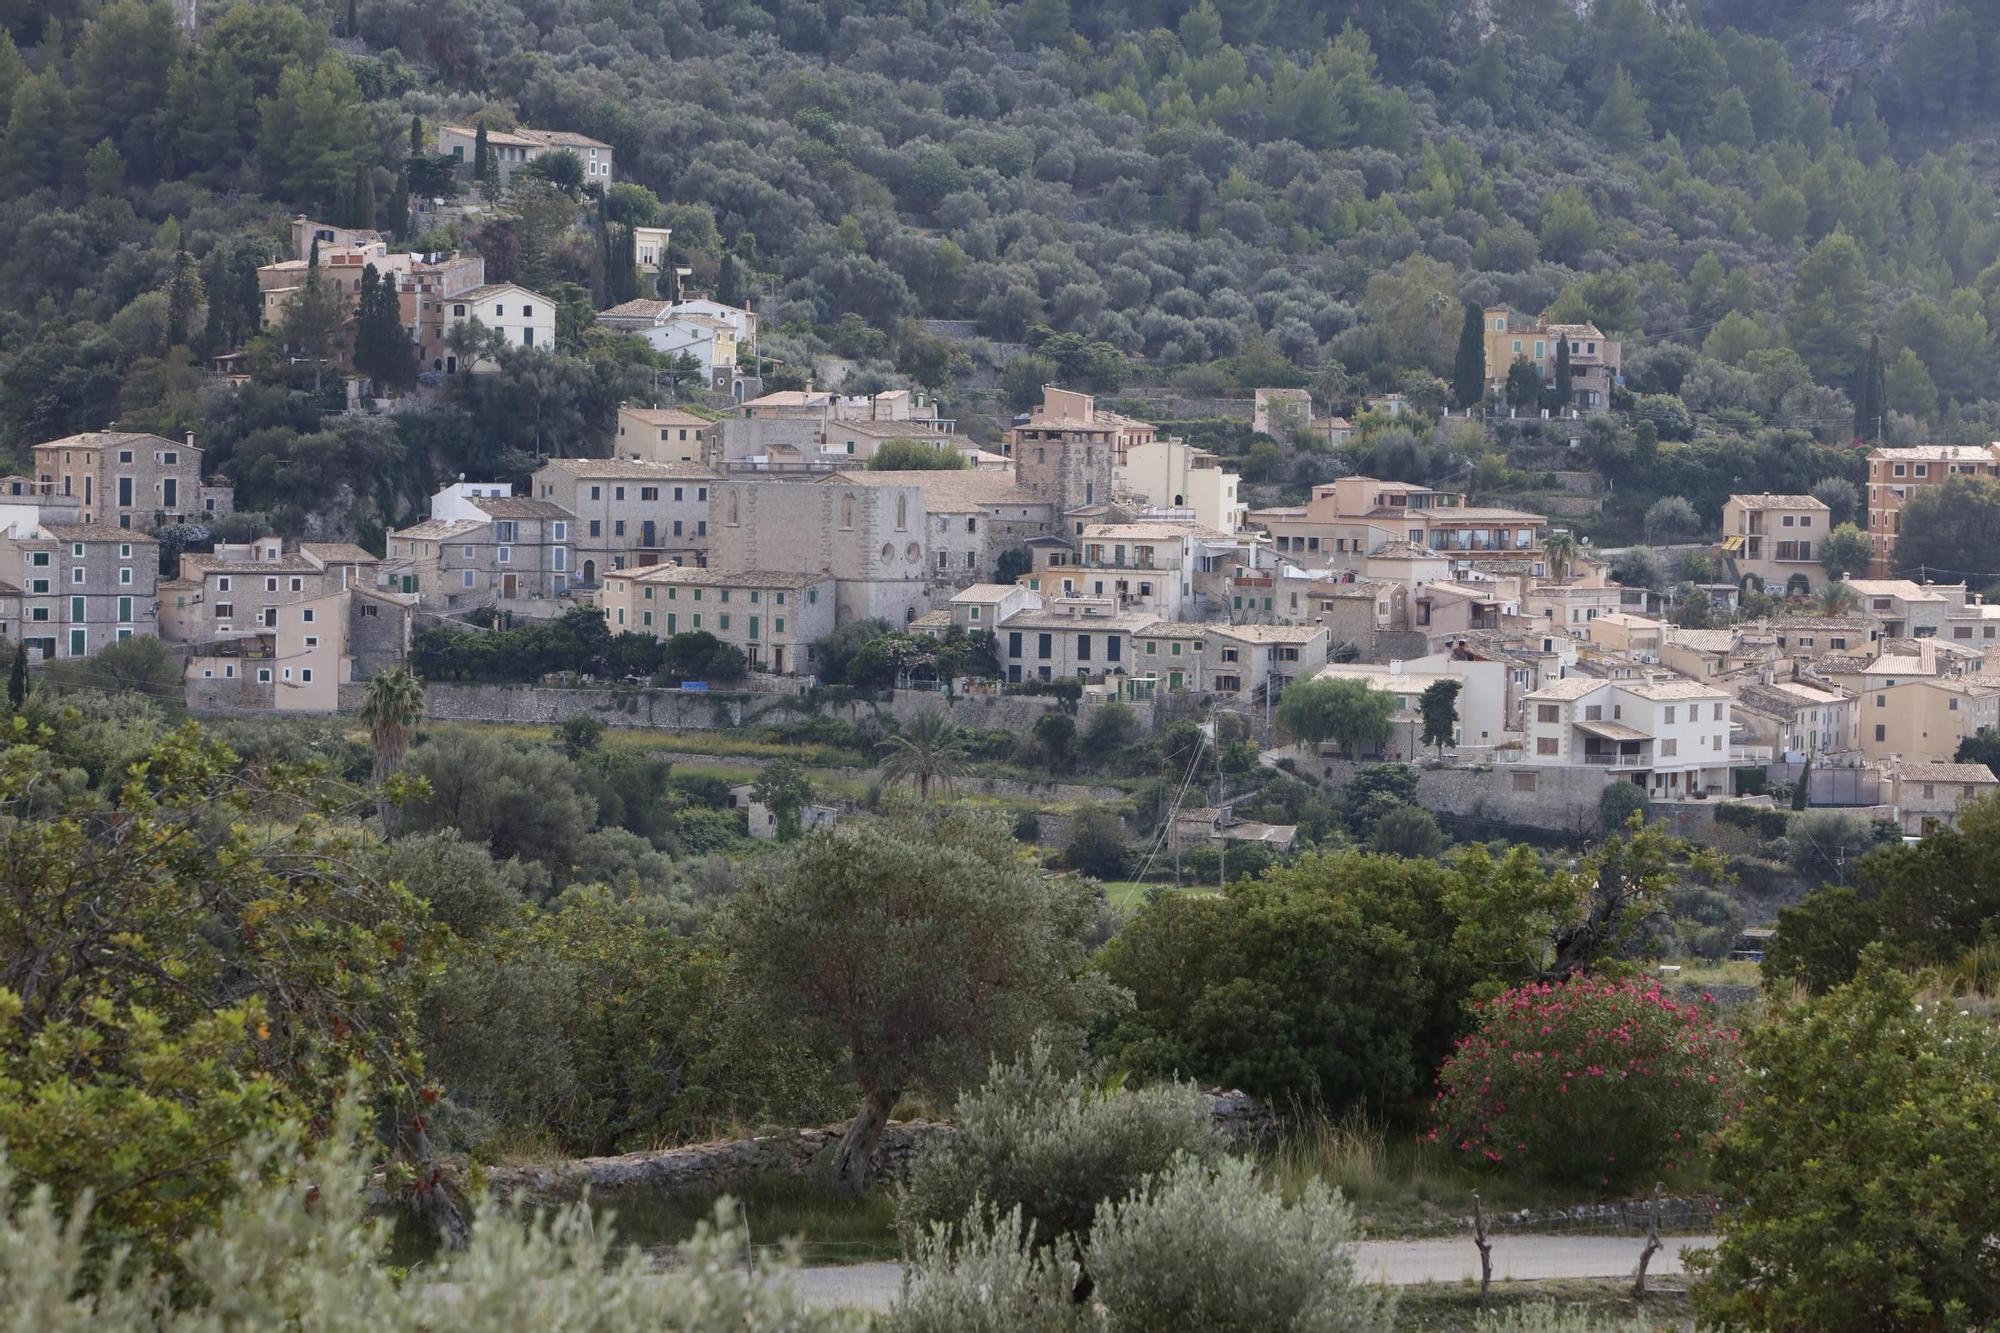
(1595, 361)
(1067, 450)
(522, 319)
(1893, 474)
(240, 588)
(127, 479)
(773, 617)
(1775, 540)
(629, 514)
(484, 547)
(666, 435)
(1921, 719)
(1929, 796)
(1083, 637)
(82, 586)
(514, 149)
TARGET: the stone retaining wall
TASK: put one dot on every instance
(675, 710)
(706, 1169)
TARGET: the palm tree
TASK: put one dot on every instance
(926, 752)
(1838, 599)
(391, 706)
(1559, 549)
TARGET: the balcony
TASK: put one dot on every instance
(1616, 760)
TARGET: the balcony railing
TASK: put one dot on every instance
(1617, 760)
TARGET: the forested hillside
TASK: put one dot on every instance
(1216, 196)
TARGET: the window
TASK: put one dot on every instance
(76, 551)
(76, 611)
(270, 585)
(559, 558)
(1546, 744)
(312, 640)
(263, 675)
(79, 643)
(1669, 748)
(596, 527)
(649, 492)
(561, 530)
(1014, 643)
(1593, 712)
(224, 610)
(504, 555)
(1045, 646)
(1083, 647)
(467, 576)
(1548, 712)
(125, 577)
(1881, 732)
(76, 574)
(1670, 715)
(1718, 712)
(125, 609)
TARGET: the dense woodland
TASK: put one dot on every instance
(1212, 197)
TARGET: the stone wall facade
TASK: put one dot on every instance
(1560, 800)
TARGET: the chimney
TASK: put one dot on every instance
(190, 439)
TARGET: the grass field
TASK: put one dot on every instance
(1129, 895)
(1456, 1309)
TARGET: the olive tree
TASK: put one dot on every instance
(911, 948)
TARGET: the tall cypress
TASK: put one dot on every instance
(1468, 371)
(1870, 393)
(17, 682)
(482, 156)
(1563, 398)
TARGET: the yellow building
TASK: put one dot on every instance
(1923, 720)
(1595, 361)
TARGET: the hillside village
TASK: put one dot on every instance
(919, 666)
(1084, 546)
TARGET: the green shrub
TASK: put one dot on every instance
(1208, 1248)
(1048, 1144)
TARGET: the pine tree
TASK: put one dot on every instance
(1621, 120)
(1563, 394)
(1468, 371)
(17, 681)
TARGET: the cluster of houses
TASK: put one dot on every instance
(1091, 548)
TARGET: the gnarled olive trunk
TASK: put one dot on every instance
(857, 1146)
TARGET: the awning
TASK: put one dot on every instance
(1732, 545)
(1612, 731)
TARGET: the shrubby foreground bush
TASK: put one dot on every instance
(1053, 1149)
(295, 1248)
(1204, 1247)
(1598, 1082)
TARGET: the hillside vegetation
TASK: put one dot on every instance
(1215, 196)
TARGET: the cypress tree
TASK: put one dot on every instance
(416, 135)
(1869, 394)
(364, 198)
(482, 156)
(17, 681)
(398, 218)
(1563, 398)
(1468, 371)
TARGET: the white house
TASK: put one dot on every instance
(677, 330)
(1670, 736)
(521, 317)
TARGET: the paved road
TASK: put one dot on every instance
(1396, 1263)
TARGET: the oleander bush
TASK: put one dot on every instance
(1589, 1082)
